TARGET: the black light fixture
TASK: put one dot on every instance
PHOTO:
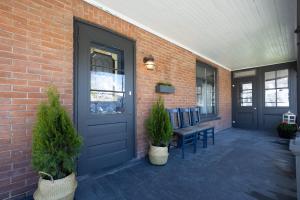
(149, 62)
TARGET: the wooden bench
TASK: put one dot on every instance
(188, 128)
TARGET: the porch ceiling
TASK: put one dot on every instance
(235, 34)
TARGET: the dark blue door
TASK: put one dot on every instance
(245, 103)
(104, 98)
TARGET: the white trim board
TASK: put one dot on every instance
(146, 28)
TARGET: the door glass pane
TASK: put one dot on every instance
(282, 73)
(107, 82)
(270, 75)
(107, 102)
(270, 84)
(282, 82)
(270, 104)
(283, 97)
(277, 88)
(246, 94)
(247, 86)
(270, 96)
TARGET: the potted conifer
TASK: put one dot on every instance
(54, 149)
(160, 132)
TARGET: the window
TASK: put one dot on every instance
(246, 95)
(277, 88)
(206, 89)
(107, 82)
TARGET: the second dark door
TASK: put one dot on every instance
(245, 103)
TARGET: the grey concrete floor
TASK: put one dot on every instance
(242, 165)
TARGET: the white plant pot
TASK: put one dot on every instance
(61, 189)
(158, 155)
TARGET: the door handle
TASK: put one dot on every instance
(254, 108)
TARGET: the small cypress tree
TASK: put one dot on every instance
(158, 125)
(55, 140)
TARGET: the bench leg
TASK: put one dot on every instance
(195, 142)
(205, 139)
(182, 146)
(213, 135)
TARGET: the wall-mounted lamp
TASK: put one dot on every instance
(149, 62)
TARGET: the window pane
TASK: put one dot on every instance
(206, 80)
(246, 94)
(283, 97)
(269, 75)
(282, 73)
(244, 73)
(276, 88)
(107, 80)
(270, 84)
(200, 71)
(244, 104)
(106, 102)
(247, 86)
(270, 95)
(282, 82)
(286, 104)
(269, 104)
(209, 98)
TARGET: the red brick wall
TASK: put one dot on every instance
(36, 49)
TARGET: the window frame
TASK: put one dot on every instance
(211, 116)
(276, 88)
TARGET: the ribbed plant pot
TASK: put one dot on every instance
(61, 189)
(158, 155)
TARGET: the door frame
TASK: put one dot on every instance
(77, 21)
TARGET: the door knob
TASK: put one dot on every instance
(254, 108)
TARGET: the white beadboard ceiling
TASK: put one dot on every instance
(235, 34)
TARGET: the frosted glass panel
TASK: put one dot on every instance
(244, 73)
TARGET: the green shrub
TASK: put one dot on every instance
(158, 125)
(55, 140)
(286, 130)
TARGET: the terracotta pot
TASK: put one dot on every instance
(61, 189)
(158, 155)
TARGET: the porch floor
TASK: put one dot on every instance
(243, 164)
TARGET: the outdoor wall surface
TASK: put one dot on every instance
(36, 50)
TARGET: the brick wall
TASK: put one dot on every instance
(36, 49)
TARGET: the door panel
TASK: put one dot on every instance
(245, 103)
(104, 98)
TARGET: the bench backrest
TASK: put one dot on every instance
(195, 115)
(174, 118)
(185, 117)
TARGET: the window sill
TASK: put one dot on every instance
(207, 119)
